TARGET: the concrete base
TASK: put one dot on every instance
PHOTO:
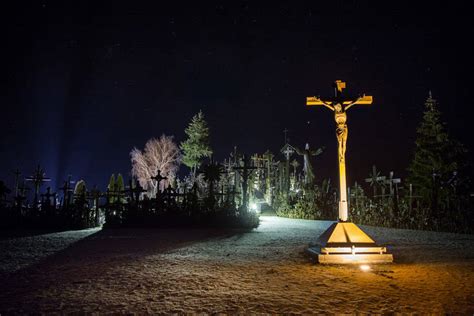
(357, 258)
(345, 243)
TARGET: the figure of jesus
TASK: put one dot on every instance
(341, 131)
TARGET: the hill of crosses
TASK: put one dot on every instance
(253, 233)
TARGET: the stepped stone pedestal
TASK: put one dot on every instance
(346, 243)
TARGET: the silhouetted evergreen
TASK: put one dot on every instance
(438, 170)
(196, 147)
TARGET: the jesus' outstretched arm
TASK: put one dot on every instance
(328, 105)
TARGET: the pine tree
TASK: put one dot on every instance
(120, 187)
(196, 147)
(437, 159)
(119, 183)
(111, 187)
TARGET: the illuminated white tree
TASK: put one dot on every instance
(159, 154)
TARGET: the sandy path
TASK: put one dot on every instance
(261, 271)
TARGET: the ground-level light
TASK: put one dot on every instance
(365, 267)
(254, 207)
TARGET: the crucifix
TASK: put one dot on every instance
(288, 151)
(340, 106)
(343, 241)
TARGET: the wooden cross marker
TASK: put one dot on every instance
(136, 190)
(48, 195)
(245, 171)
(375, 179)
(158, 178)
(393, 184)
(67, 191)
(37, 178)
(340, 106)
(17, 174)
(285, 131)
(287, 150)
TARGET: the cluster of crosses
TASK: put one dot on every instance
(263, 178)
(30, 204)
(239, 182)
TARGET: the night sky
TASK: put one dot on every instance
(85, 83)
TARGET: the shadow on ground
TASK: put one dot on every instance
(97, 254)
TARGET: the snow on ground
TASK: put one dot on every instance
(17, 253)
(262, 271)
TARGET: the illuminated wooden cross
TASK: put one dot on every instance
(344, 242)
(340, 106)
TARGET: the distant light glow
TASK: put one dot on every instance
(365, 267)
(253, 207)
